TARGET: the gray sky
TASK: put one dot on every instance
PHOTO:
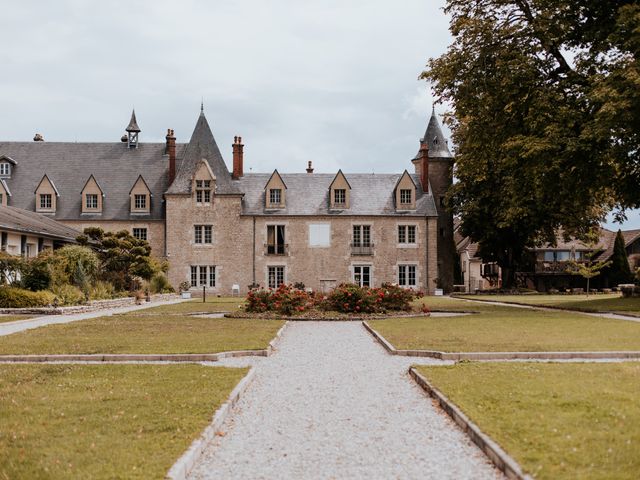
(332, 81)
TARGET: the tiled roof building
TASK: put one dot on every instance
(225, 230)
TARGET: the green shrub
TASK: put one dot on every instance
(159, 283)
(397, 298)
(37, 272)
(68, 295)
(11, 297)
(101, 291)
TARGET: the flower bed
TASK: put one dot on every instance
(345, 301)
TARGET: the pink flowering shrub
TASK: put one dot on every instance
(286, 300)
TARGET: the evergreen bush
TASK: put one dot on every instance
(12, 297)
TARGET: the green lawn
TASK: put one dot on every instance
(212, 305)
(591, 303)
(508, 329)
(13, 318)
(144, 334)
(104, 421)
(559, 421)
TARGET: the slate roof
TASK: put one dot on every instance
(69, 165)
(27, 222)
(308, 194)
(438, 147)
(202, 146)
(133, 124)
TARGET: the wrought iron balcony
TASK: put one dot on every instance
(276, 249)
(361, 248)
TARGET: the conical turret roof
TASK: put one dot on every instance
(202, 146)
(435, 139)
(133, 124)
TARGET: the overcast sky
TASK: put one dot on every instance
(332, 81)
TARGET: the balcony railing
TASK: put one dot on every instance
(276, 249)
(362, 249)
(554, 267)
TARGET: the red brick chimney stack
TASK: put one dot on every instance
(309, 167)
(171, 151)
(424, 165)
(238, 158)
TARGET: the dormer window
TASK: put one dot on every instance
(140, 201)
(203, 191)
(46, 202)
(91, 201)
(275, 192)
(405, 196)
(275, 196)
(5, 169)
(339, 192)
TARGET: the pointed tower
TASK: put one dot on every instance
(440, 178)
(132, 131)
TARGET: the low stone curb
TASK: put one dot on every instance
(491, 449)
(339, 319)
(276, 340)
(553, 307)
(92, 306)
(458, 356)
(125, 357)
(187, 461)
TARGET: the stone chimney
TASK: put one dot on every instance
(309, 167)
(170, 150)
(421, 163)
(238, 158)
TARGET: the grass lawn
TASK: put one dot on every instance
(212, 305)
(144, 334)
(509, 329)
(559, 421)
(104, 421)
(591, 303)
(13, 318)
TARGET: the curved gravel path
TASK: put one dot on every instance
(331, 403)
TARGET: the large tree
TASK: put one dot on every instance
(546, 118)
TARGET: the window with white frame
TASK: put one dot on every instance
(362, 275)
(275, 276)
(140, 201)
(276, 240)
(339, 196)
(46, 202)
(407, 275)
(203, 191)
(405, 196)
(407, 234)
(203, 275)
(140, 233)
(91, 200)
(362, 235)
(203, 234)
(5, 169)
(275, 196)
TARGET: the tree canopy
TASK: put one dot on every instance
(546, 118)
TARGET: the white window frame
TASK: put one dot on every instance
(402, 233)
(340, 192)
(43, 197)
(275, 196)
(200, 272)
(92, 196)
(354, 273)
(5, 169)
(140, 230)
(403, 196)
(139, 201)
(404, 275)
(277, 270)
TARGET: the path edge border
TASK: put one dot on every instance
(486, 356)
(183, 466)
(501, 459)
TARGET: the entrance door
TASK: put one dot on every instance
(362, 275)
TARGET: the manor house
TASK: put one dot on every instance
(225, 230)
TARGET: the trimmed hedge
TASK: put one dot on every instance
(11, 297)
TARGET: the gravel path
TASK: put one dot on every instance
(12, 327)
(331, 403)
